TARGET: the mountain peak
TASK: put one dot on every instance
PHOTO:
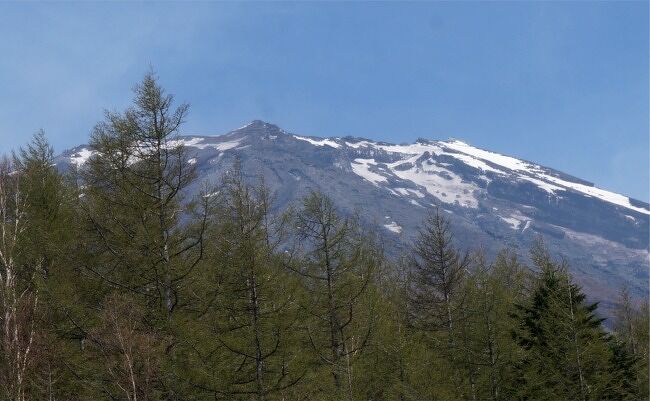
(259, 127)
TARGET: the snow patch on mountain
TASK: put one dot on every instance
(392, 226)
(438, 181)
(602, 194)
(604, 249)
(491, 162)
(473, 162)
(244, 126)
(81, 156)
(513, 222)
(496, 158)
(319, 142)
(223, 146)
(546, 186)
(361, 167)
(199, 143)
(533, 173)
(359, 144)
(417, 148)
(409, 192)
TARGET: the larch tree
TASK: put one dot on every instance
(47, 247)
(244, 331)
(142, 237)
(436, 301)
(336, 264)
(632, 327)
(145, 235)
(490, 351)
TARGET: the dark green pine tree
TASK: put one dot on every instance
(623, 377)
(566, 350)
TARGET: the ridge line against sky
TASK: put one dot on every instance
(562, 84)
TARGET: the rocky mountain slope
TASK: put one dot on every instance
(493, 200)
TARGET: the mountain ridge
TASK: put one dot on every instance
(255, 125)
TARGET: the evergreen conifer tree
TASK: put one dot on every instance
(566, 352)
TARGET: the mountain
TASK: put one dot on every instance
(493, 201)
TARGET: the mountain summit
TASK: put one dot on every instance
(493, 200)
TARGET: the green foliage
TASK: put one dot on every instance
(242, 336)
(133, 199)
(120, 288)
(437, 300)
(336, 263)
(567, 352)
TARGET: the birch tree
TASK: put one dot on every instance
(18, 298)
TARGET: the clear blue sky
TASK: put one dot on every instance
(562, 84)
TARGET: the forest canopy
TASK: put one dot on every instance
(116, 285)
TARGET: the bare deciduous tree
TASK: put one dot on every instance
(130, 353)
(18, 298)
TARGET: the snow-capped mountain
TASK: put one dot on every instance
(493, 200)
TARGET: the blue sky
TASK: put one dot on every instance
(561, 84)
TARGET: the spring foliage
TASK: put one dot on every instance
(116, 286)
